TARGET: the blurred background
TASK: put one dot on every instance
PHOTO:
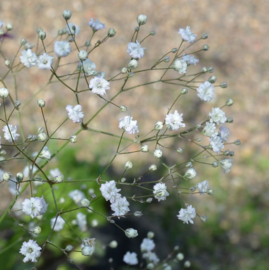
(236, 235)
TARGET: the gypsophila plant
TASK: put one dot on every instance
(40, 206)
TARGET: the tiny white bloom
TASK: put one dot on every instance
(129, 125)
(135, 50)
(28, 58)
(226, 164)
(62, 48)
(187, 215)
(147, 245)
(59, 223)
(99, 85)
(55, 172)
(89, 67)
(190, 173)
(130, 258)
(187, 34)
(158, 153)
(218, 116)
(70, 29)
(75, 113)
(109, 191)
(206, 91)
(216, 143)
(224, 133)
(180, 65)
(34, 206)
(44, 61)
(131, 233)
(209, 129)
(96, 25)
(10, 133)
(45, 153)
(174, 120)
(190, 59)
(160, 192)
(4, 92)
(203, 187)
(120, 206)
(82, 222)
(31, 251)
(76, 195)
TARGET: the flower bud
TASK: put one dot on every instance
(179, 150)
(190, 174)
(210, 70)
(111, 32)
(184, 91)
(212, 79)
(31, 138)
(124, 70)
(113, 244)
(2, 152)
(203, 218)
(128, 165)
(138, 214)
(17, 104)
(229, 120)
(4, 93)
(37, 230)
(7, 63)
(205, 47)
(149, 200)
(150, 235)
(73, 139)
(85, 202)
(133, 64)
(142, 19)
(67, 14)
(209, 191)
(215, 164)
(229, 102)
(187, 264)
(40, 130)
(59, 179)
(204, 70)
(144, 148)
(180, 256)
(237, 142)
(19, 176)
(166, 59)
(6, 176)
(158, 153)
(152, 167)
(150, 266)
(41, 103)
(152, 33)
(82, 55)
(158, 125)
(42, 137)
(94, 223)
(223, 85)
(9, 26)
(174, 50)
(123, 179)
(189, 164)
(42, 35)
(130, 74)
(204, 36)
(69, 248)
(136, 28)
(131, 233)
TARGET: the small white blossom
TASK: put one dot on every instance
(218, 116)
(151, 256)
(160, 192)
(226, 164)
(187, 34)
(206, 91)
(203, 187)
(109, 191)
(45, 153)
(44, 61)
(59, 223)
(76, 195)
(135, 50)
(99, 85)
(186, 215)
(120, 206)
(180, 65)
(55, 172)
(70, 29)
(75, 113)
(10, 133)
(190, 173)
(82, 222)
(174, 120)
(224, 133)
(28, 58)
(209, 129)
(131, 233)
(158, 153)
(34, 206)
(130, 258)
(147, 245)
(216, 143)
(190, 59)
(129, 125)
(96, 25)
(89, 67)
(31, 251)
(4, 92)
(62, 48)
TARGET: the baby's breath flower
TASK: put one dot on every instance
(73, 139)
(10, 133)
(206, 91)
(130, 258)
(160, 192)
(174, 120)
(72, 29)
(147, 245)
(224, 133)
(28, 58)
(76, 195)
(62, 48)
(209, 129)
(129, 125)
(128, 165)
(99, 85)
(203, 187)
(158, 125)
(4, 93)
(45, 153)
(135, 50)
(131, 233)
(31, 251)
(109, 191)
(89, 67)
(44, 61)
(34, 206)
(158, 153)
(217, 116)
(226, 164)
(96, 25)
(82, 222)
(142, 19)
(216, 143)
(180, 65)
(120, 206)
(190, 173)
(75, 113)
(187, 215)
(187, 34)
(190, 59)
(59, 223)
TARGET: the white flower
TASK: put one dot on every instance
(190, 173)
(82, 222)
(76, 195)
(206, 91)
(70, 29)
(44, 61)
(147, 245)
(224, 133)
(186, 215)
(34, 206)
(190, 59)
(151, 256)
(28, 58)
(160, 192)
(96, 25)
(75, 113)
(129, 125)
(174, 120)
(187, 34)
(99, 85)
(218, 116)
(109, 191)
(45, 153)
(4, 92)
(59, 223)
(10, 133)
(180, 65)
(209, 129)
(120, 206)
(31, 251)
(157, 153)
(131, 233)
(89, 67)
(62, 48)
(55, 172)
(216, 143)
(135, 50)
(226, 164)
(203, 187)
(130, 258)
